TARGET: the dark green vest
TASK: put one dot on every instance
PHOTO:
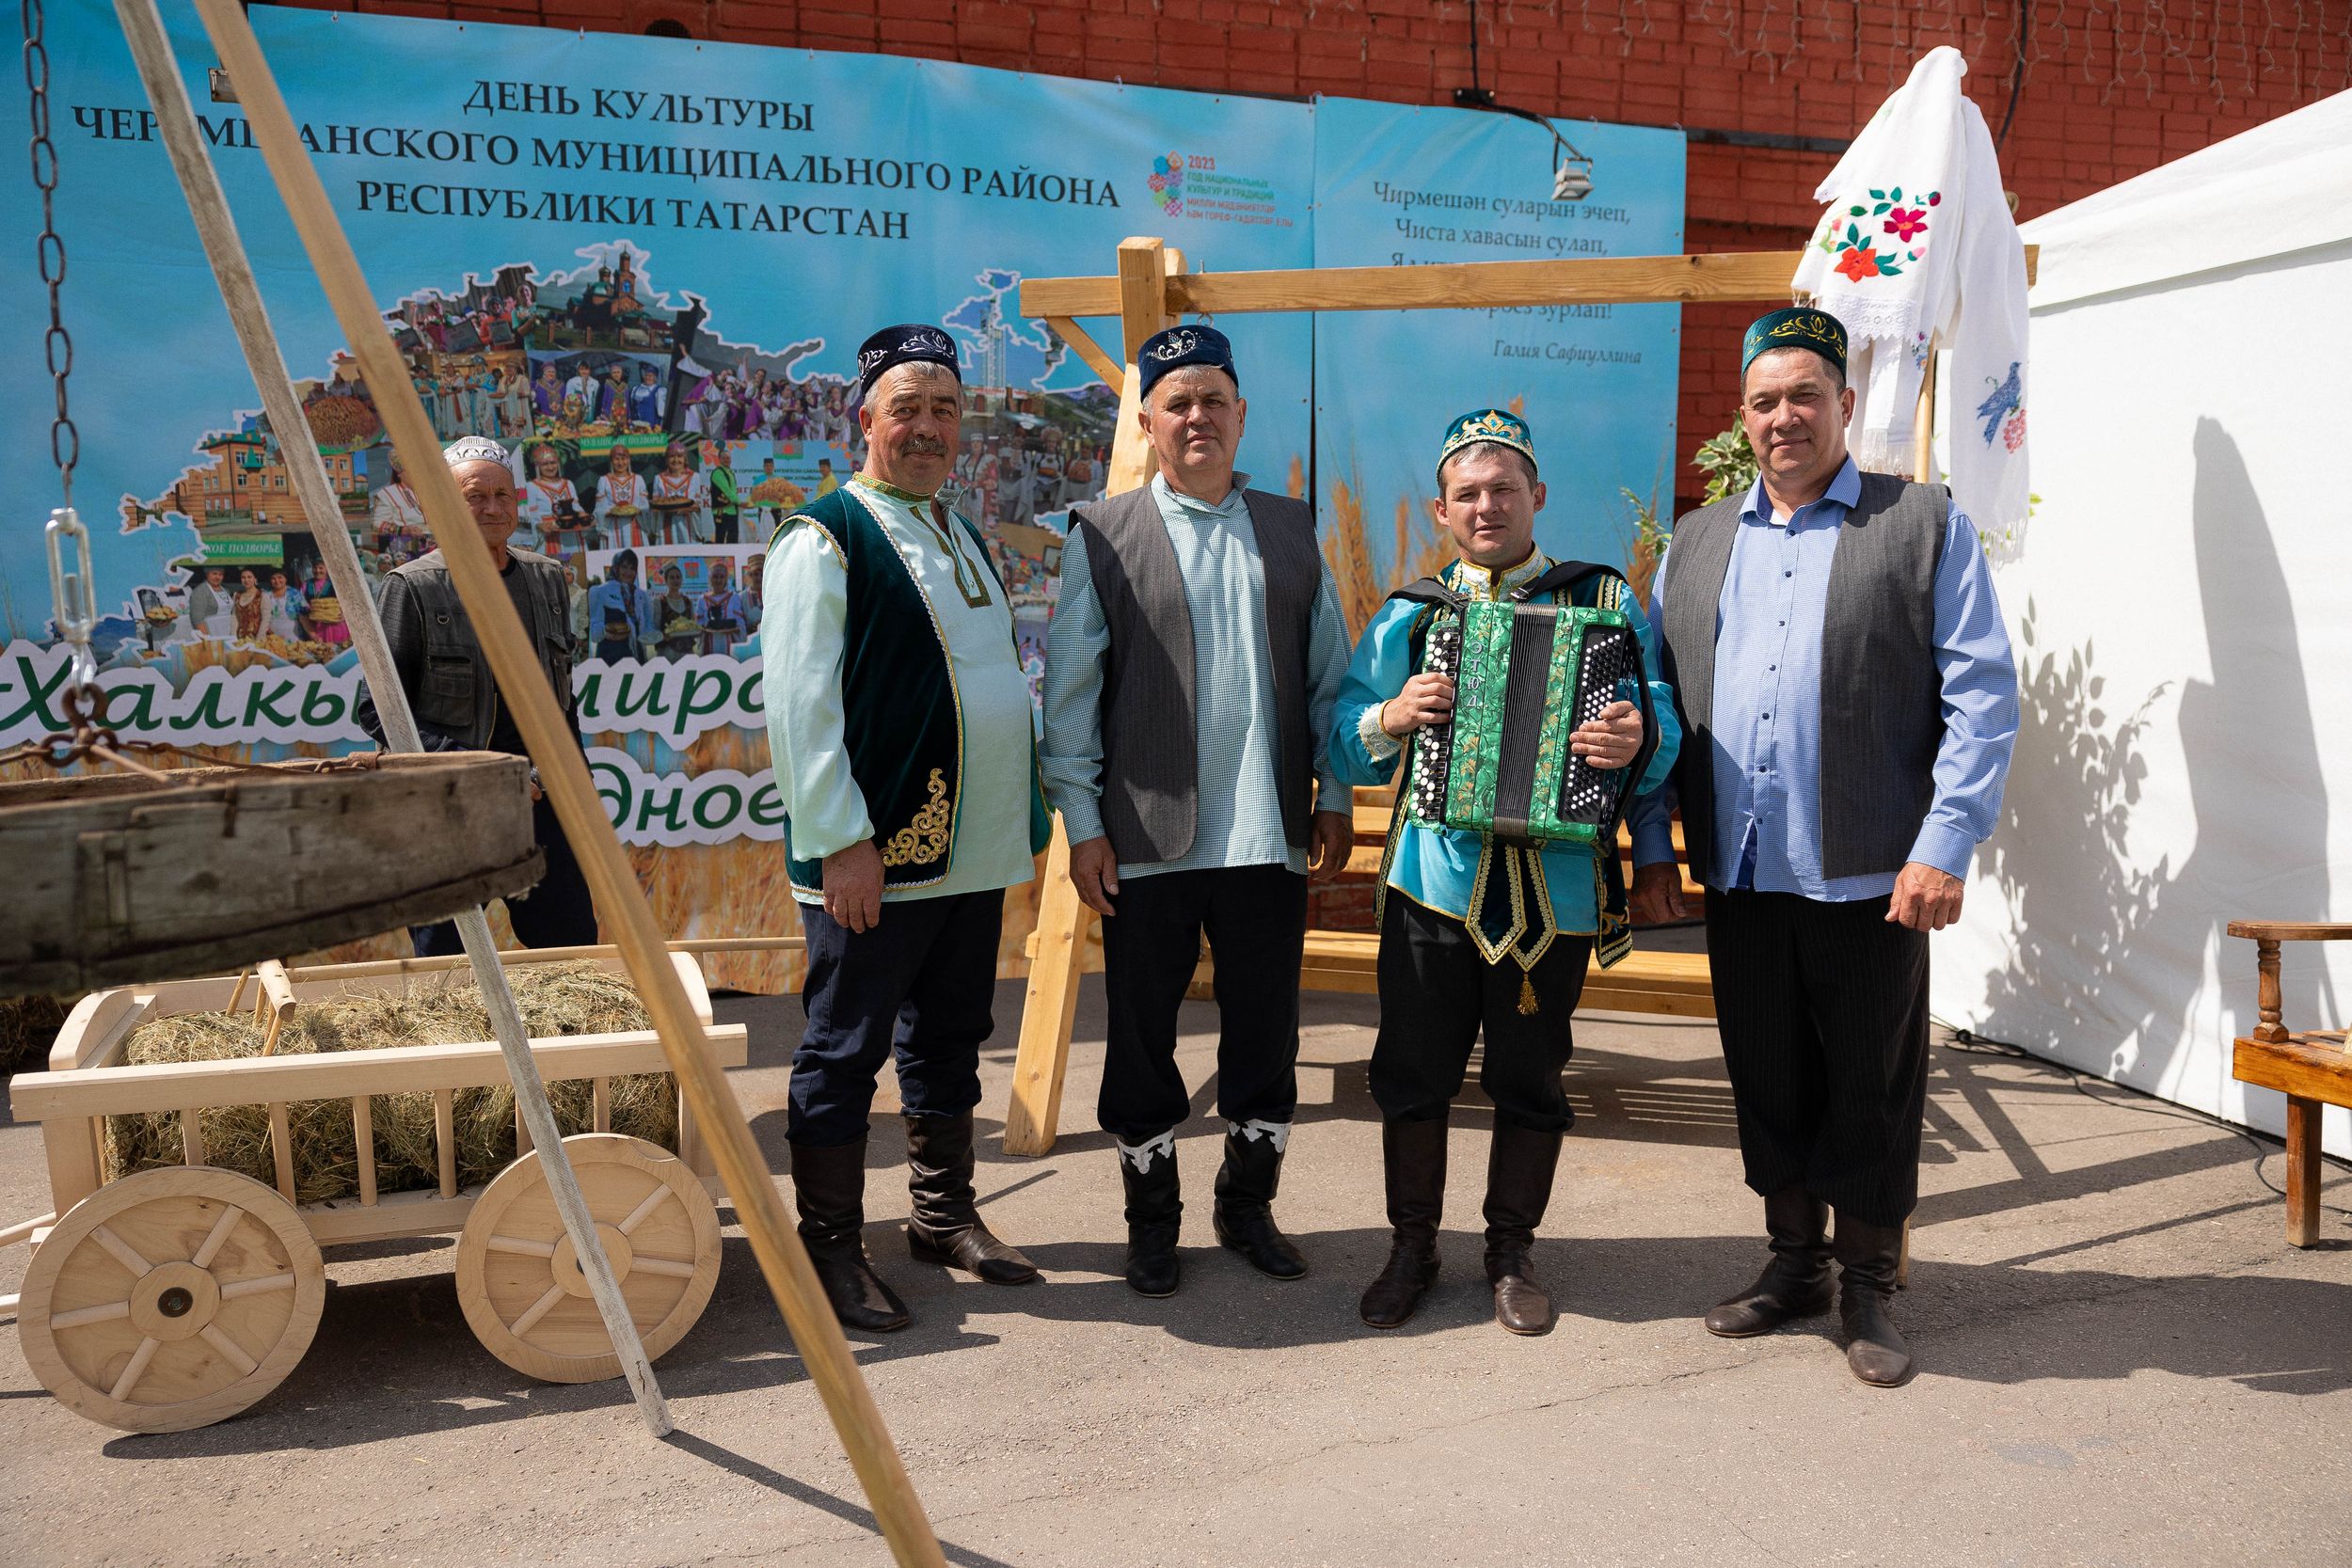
(903, 727)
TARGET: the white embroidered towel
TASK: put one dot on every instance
(1917, 247)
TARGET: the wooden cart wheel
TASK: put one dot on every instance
(519, 1281)
(171, 1299)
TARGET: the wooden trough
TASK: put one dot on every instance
(179, 1296)
(119, 879)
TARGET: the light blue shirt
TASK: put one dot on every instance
(1239, 813)
(1435, 867)
(1767, 718)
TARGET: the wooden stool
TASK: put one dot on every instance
(2310, 1070)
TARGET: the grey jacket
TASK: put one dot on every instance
(439, 658)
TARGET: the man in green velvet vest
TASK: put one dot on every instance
(899, 722)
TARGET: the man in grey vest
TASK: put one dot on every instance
(1849, 702)
(1193, 658)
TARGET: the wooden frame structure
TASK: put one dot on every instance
(1151, 289)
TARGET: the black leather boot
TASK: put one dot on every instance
(1156, 1211)
(1412, 1156)
(1795, 1284)
(946, 1225)
(1245, 1199)
(1520, 1168)
(1869, 1256)
(829, 1186)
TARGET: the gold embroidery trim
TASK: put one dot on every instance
(924, 839)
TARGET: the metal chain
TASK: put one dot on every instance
(65, 441)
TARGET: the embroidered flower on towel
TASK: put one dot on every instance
(1856, 258)
(1860, 263)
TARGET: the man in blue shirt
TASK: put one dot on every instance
(1850, 701)
(1194, 656)
(1478, 936)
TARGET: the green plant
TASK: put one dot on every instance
(1727, 461)
(1645, 544)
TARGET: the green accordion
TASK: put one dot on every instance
(1525, 674)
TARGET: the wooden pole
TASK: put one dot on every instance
(1041, 1060)
(1923, 427)
(1721, 275)
(175, 117)
(563, 772)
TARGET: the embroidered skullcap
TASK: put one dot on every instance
(475, 448)
(910, 342)
(1801, 327)
(1486, 424)
(1175, 347)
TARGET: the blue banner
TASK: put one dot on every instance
(645, 265)
(1397, 185)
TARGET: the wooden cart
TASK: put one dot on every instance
(177, 1297)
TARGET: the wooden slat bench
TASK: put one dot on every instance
(2312, 1070)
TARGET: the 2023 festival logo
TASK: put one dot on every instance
(1168, 182)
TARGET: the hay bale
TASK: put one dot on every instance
(554, 999)
(29, 1027)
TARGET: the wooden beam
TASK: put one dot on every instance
(1048, 1012)
(1759, 276)
(1082, 343)
(172, 1087)
(1050, 1008)
(1141, 303)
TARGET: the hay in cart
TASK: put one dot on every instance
(556, 1000)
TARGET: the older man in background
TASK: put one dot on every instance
(455, 698)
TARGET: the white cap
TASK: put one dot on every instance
(475, 448)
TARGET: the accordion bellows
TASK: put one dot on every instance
(1525, 674)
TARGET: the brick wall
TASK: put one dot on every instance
(2112, 88)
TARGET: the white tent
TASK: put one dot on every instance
(2181, 613)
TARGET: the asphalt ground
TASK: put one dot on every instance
(2121, 1362)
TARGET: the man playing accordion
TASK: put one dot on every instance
(1490, 927)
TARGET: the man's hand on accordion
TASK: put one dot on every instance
(1427, 699)
(1612, 739)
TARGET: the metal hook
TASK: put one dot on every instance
(72, 600)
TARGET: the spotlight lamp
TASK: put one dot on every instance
(1571, 171)
(1572, 174)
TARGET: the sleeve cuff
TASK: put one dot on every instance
(1378, 743)
(1653, 842)
(1081, 815)
(1947, 848)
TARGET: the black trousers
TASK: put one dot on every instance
(558, 913)
(1824, 1012)
(1437, 993)
(920, 985)
(1256, 921)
